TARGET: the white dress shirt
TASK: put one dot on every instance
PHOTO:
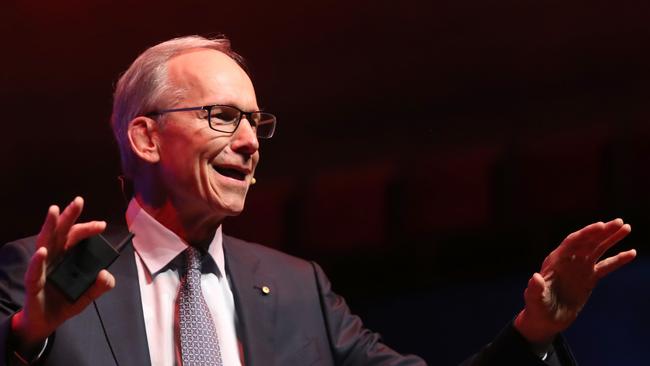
(155, 247)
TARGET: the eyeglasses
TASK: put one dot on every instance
(225, 118)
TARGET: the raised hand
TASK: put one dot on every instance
(45, 307)
(555, 296)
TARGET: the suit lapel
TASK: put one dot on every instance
(255, 309)
(121, 312)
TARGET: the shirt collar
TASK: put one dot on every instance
(158, 246)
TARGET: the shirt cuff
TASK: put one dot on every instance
(31, 359)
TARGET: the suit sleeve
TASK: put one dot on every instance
(14, 258)
(510, 348)
(353, 344)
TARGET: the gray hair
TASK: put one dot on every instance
(144, 87)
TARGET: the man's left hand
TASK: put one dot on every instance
(555, 295)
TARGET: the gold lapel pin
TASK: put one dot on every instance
(266, 290)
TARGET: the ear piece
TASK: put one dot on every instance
(127, 188)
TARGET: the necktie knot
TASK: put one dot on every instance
(192, 258)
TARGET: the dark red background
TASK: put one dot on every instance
(424, 147)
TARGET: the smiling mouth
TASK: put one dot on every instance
(230, 173)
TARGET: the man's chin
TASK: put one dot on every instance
(234, 212)
(232, 208)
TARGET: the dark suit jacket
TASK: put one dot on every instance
(300, 322)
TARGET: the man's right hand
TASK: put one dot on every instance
(45, 307)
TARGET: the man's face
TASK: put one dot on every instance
(206, 172)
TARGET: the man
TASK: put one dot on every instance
(187, 123)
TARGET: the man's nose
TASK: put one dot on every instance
(244, 139)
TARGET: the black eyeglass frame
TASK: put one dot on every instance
(208, 108)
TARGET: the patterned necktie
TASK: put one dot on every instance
(196, 330)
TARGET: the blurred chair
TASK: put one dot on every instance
(446, 190)
(345, 209)
(556, 175)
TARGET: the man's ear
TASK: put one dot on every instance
(143, 137)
